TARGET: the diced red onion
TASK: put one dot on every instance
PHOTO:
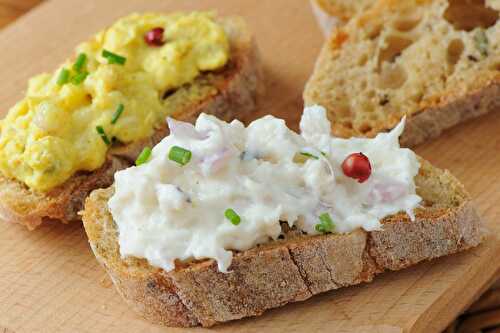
(215, 162)
(387, 191)
(184, 129)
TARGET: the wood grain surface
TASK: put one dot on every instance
(50, 282)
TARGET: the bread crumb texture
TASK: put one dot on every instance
(402, 58)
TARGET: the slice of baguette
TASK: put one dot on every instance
(227, 93)
(422, 59)
(288, 270)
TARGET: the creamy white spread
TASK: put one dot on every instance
(166, 212)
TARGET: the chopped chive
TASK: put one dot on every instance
(80, 62)
(232, 216)
(481, 41)
(79, 78)
(309, 155)
(302, 157)
(103, 135)
(319, 228)
(113, 58)
(117, 114)
(326, 224)
(179, 155)
(323, 153)
(143, 156)
(63, 77)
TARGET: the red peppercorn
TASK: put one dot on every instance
(357, 166)
(154, 37)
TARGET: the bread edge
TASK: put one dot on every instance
(431, 120)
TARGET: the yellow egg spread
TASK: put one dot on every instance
(112, 90)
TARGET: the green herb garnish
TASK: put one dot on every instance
(63, 77)
(309, 155)
(113, 58)
(117, 114)
(80, 62)
(326, 224)
(302, 157)
(103, 135)
(481, 41)
(79, 78)
(232, 216)
(143, 156)
(179, 155)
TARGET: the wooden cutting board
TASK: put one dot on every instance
(50, 282)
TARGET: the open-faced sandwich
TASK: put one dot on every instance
(92, 116)
(437, 62)
(220, 221)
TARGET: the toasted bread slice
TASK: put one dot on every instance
(435, 62)
(288, 270)
(230, 92)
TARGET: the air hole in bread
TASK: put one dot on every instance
(418, 97)
(392, 76)
(367, 107)
(364, 128)
(347, 124)
(342, 110)
(407, 24)
(394, 46)
(363, 59)
(373, 31)
(470, 14)
(454, 52)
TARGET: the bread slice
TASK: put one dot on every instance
(437, 62)
(288, 270)
(227, 93)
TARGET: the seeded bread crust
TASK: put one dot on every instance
(288, 270)
(228, 93)
(418, 59)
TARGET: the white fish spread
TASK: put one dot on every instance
(264, 173)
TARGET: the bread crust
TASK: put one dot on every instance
(18, 204)
(431, 120)
(288, 270)
(239, 86)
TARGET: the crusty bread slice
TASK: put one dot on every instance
(227, 93)
(288, 270)
(437, 62)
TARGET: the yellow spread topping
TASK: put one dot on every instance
(67, 119)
